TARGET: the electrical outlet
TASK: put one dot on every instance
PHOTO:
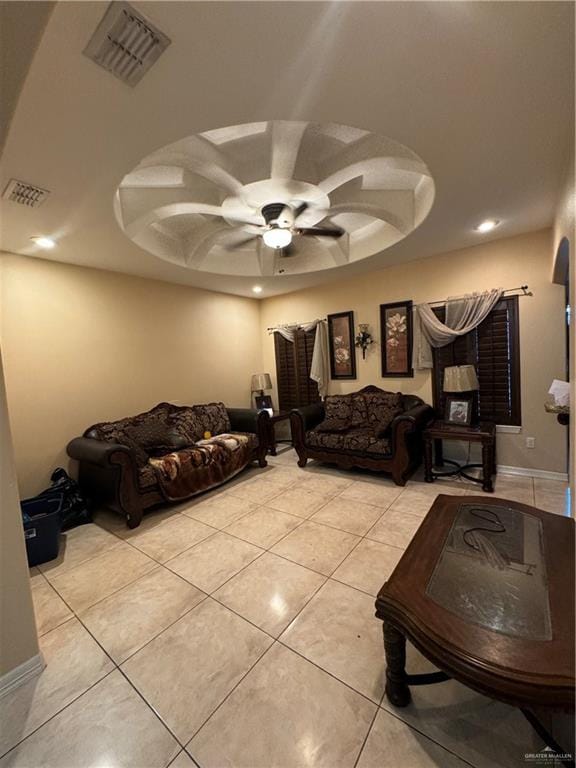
(530, 442)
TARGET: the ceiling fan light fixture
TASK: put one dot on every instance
(277, 237)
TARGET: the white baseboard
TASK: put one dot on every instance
(544, 474)
(21, 674)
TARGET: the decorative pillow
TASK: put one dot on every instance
(152, 438)
(115, 431)
(171, 443)
(132, 430)
(139, 453)
(382, 408)
(186, 423)
(359, 410)
(213, 417)
(338, 412)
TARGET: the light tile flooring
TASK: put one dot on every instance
(238, 630)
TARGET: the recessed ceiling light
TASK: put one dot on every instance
(257, 289)
(487, 226)
(44, 242)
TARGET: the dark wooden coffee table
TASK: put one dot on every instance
(485, 591)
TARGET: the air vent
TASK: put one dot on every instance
(125, 43)
(25, 194)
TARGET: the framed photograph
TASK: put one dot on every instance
(341, 345)
(396, 335)
(458, 410)
(263, 402)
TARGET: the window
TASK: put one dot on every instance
(493, 348)
(293, 362)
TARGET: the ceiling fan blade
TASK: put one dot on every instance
(320, 232)
(286, 216)
(240, 243)
(300, 209)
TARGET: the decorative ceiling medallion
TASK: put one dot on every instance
(338, 194)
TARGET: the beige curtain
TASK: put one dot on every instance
(320, 368)
(463, 314)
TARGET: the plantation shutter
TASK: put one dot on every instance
(493, 348)
(304, 349)
(285, 373)
(293, 363)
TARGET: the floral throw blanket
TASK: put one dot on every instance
(202, 466)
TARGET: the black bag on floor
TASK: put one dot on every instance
(74, 508)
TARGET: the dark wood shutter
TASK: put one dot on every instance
(493, 348)
(293, 363)
(285, 373)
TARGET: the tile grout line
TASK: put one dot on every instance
(230, 692)
(422, 733)
(330, 674)
(161, 632)
(154, 567)
(55, 714)
(366, 737)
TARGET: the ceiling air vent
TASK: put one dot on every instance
(126, 43)
(25, 194)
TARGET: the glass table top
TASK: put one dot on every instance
(492, 571)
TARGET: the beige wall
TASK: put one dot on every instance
(83, 345)
(507, 263)
(18, 640)
(565, 227)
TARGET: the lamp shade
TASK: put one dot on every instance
(261, 381)
(460, 378)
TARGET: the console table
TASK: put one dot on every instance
(485, 591)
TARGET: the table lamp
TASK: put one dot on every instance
(260, 382)
(462, 379)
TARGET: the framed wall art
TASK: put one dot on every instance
(341, 345)
(396, 335)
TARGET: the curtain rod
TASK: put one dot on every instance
(294, 325)
(523, 288)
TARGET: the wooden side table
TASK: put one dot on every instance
(484, 433)
(274, 419)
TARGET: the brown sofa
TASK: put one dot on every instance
(166, 454)
(373, 429)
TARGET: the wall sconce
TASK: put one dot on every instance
(363, 338)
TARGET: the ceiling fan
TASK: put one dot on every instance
(280, 227)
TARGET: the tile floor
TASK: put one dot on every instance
(238, 630)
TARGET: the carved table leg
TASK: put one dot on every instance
(439, 452)
(494, 462)
(487, 467)
(428, 476)
(272, 439)
(397, 689)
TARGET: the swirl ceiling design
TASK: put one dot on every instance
(198, 202)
